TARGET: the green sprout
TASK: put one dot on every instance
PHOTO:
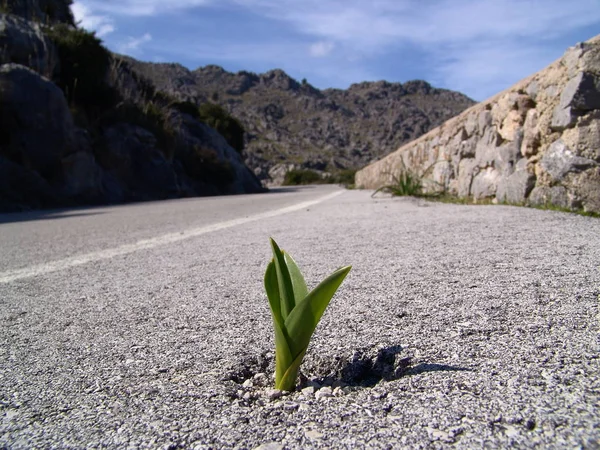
(296, 312)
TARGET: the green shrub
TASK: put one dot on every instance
(406, 183)
(150, 117)
(302, 176)
(410, 183)
(187, 108)
(203, 164)
(84, 64)
(344, 177)
(5, 8)
(219, 119)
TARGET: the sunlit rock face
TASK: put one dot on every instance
(537, 143)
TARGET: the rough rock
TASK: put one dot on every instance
(516, 187)
(559, 160)
(22, 188)
(581, 94)
(23, 42)
(42, 11)
(83, 177)
(131, 155)
(193, 135)
(35, 122)
(537, 142)
(122, 151)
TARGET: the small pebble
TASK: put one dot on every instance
(273, 394)
(248, 384)
(324, 392)
(261, 379)
(308, 391)
(290, 406)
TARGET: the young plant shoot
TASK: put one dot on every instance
(296, 312)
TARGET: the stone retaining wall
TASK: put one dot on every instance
(536, 143)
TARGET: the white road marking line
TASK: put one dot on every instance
(145, 244)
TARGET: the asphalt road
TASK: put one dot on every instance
(146, 326)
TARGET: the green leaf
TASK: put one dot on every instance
(288, 380)
(272, 288)
(302, 321)
(286, 291)
(283, 356)
(298, 283)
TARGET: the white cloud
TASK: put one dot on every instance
(102, 25)
(321, 49)
(477, 46)
(141, 7)
(468, 44)
(133, 44)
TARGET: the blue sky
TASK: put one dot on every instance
(478, 47)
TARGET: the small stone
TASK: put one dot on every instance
(273, 394)
(269, 446)
(261, 379)
(290, 406)
(312, 434)
(308, 391)
(338, 392)
(248, 384)
(247, 396)
(324, 392)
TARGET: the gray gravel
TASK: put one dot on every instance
(459, 326)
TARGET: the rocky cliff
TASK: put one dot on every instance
(78, 126)
(536, 143)
(292, 124)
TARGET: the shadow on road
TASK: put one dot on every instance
(366, 370)
(289, 189)
(44, 215)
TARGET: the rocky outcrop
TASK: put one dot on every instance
(290, 123)
(36, 124)
(118, 140)
(41, 11)
(24, 42)
(536, 143)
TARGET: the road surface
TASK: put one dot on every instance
(146, 326)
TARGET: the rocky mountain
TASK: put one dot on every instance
(79, 126)
(292, 123)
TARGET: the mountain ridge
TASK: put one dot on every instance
(292, 123)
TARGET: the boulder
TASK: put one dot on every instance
(507, 155)
(277, 173)
(487, 147)
(588, 187)
(584, 139)
(36, 126)
(546, 195)
(580, 94)
(515, 188)
(531, 135)
(22, 189)
(130, 155)
(485, 183)
(194, 136)
(559, 160)
(23, 42)
(42, 11)
(83, 177)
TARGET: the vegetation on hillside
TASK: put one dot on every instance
(297, 177)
